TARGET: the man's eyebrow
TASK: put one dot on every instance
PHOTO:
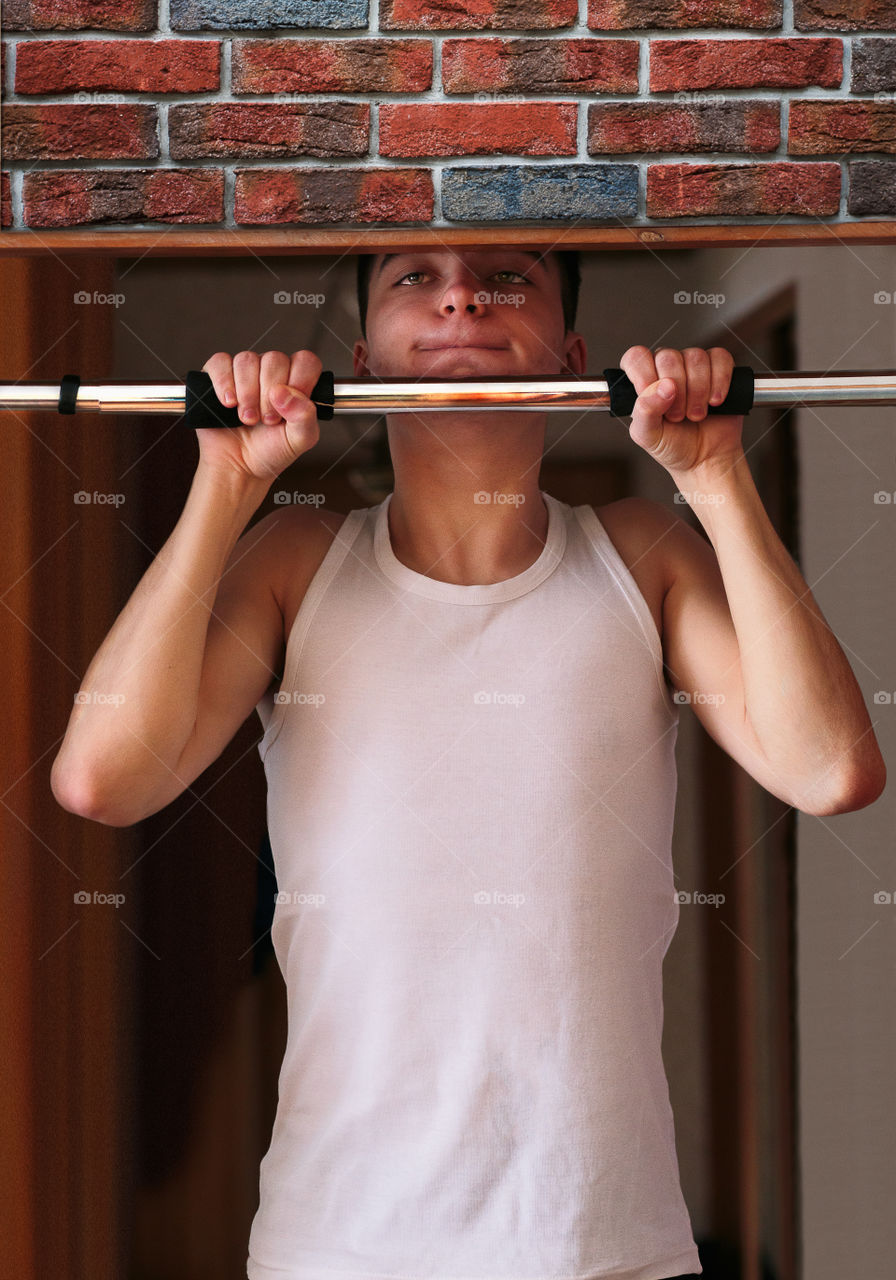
(537, 258)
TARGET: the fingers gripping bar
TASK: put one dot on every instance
(204, 409)
(738, 400)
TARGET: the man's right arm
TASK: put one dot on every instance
(198, 642)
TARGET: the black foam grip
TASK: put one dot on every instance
(739, 399)
(68, 393)
(204, 409)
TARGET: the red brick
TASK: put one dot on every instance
(144, 66)
(78, 15)
(822, 128)
(5, 201)
(620, 15)
(467, 129)
(67, 197)
(333, 195)
(747, 190)
(331, 66)
(540, 66)
(619, 127)
(269, 129)
(744, 64)
(843, 15)
(89, 132)
(496, 15)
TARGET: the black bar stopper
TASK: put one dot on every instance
(68, 393)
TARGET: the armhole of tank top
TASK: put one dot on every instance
(326, 571)
(606, 549)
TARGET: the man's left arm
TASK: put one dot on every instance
(742, 633)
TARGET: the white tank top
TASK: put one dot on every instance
(471, 792)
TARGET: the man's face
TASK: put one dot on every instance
(466, 313)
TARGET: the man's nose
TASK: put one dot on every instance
(463, 294)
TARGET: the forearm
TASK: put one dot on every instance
(138, 700)
(802, 700)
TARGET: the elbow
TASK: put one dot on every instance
(79, 796)
(857, 790)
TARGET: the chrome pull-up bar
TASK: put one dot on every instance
(615, 394)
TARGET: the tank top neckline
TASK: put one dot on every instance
(478, 593)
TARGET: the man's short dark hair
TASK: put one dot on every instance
(570, 279)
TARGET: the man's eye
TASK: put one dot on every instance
(509, 271)
(409, 273)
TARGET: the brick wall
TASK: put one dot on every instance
(239, 113)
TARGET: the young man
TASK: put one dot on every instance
(469, 745)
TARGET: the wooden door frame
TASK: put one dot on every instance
(227, 242)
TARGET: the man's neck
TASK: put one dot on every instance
(467, 507)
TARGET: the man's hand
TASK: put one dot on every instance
(695, 378)
(274, 388)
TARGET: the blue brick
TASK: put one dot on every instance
(262, 15)
(542, 191)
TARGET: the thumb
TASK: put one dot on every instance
(646, 426)
(289, 403)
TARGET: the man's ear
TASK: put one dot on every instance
(575, 353)
(360, 355)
